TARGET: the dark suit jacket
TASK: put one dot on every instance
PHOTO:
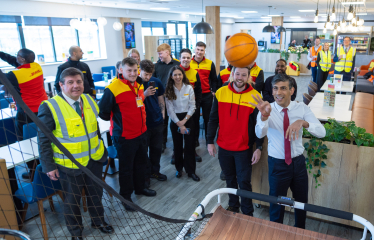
(45, 148)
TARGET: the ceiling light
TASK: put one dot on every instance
(273, 15)
(306, 10)
(238, 17)
(316, 16)
(202, 27)
(268, 28)
(281, 29)
(249, 11)
(159, 8)
(295, 17)
(361, 28)
(101, 21)
(362, 14)
(350, 3)
(117, 26)
(266, 17)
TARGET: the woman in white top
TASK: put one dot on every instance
(180, 104)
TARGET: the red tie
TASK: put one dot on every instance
(287, 143)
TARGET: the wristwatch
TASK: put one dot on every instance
(186, 118)
(259, 148)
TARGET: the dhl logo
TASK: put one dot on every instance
(33, 73)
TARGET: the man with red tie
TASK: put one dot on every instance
(283, 122)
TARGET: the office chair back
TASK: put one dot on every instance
(97, 77)
(29, 130)
(110, 70)
(307, 98)
(311, 91)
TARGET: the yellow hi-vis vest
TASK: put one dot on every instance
(81, 140)
(345, 64)
(325, 61)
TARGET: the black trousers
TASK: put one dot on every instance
(206, 105)
(22, 119)
(321, 78)
(196, 119)
(165, 132)
(154, 143)
(132, 156)
(72, 188)
(282, 177)
(237, 167)
(187, 162)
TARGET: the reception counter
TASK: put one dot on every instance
(347, 182)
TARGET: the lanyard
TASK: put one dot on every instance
(133, 89)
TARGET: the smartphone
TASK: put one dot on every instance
(188, 130)
(152, 84)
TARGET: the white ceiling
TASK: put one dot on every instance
(228, 8)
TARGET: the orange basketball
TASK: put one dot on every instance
(241, 50)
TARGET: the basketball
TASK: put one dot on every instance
(241, 50)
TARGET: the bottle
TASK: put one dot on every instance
(106, 78)
(152, 59)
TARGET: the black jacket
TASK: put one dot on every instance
(162, 70)
(88, 81)
(45, 148)
(267, 92)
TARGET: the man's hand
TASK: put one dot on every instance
(263, 107)
(150, 91)
(256, 156)
(340, 57)
(181, 123)
(292, 132)
(183, 130)
(212, 150)
(213, 93)
(53, 175)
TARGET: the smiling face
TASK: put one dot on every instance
(136, 57)
(185, 59)
(129, 72)
(326, 47)
(177, 76)
(282, 93)
(346, 42)
(317, 42)
(280, 67)
(199, 52)
(72, 87)
(241, 77)
(164, 55)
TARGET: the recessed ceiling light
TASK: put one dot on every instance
(249, 11)
(160, 8)
(361, 14)
(265, 17)
(353, 3)
(239, 17)
(295, 17)
(307, 10)
(273, 15)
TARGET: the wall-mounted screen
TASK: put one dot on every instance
(275, 36)
(129, 35)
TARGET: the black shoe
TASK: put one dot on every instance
(128, 207)
(146, 192)
(26, 175)
(163, 147)
(233, 209)
(178, 174)
(76, 238)
(194, 177)
(159, 176)
(198, 158)
(197, 143)
(222, 176)
(172, 159)
(147, 183)
(104, 227)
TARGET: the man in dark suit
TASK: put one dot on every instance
(76, 54)
(58, 114)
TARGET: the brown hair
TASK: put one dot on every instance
(200, 44)
(129, 61)
(70, 72)
(164, 47)
(169, 90)
(147, 66)
(231, 78)
(133, 50)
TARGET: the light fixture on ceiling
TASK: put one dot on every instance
(354, 3)
(316, 16)
(273, 15)
(333, 15)
(74, 23)
(362, 14)
(306, 10)
(117, 26)
(266, 17)
(160, 8)
(249, 11)
(281, 29)
(295, 17)
(361, 28)
(335, 30)
(338, 28)
(350, 13)
(101, 21)
(268, 28)
(203, 27)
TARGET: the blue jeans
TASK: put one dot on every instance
(282, 177)
(314, 74)
(237, 167)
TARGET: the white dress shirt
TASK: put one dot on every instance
(273, 128)
(71, 101)
(185, 102)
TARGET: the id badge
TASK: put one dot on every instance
(139, 101)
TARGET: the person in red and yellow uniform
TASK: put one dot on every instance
(236, 119)
(193, 77)
(209, 82)
(257, 77)
(224, 75)
(123, 104)
(28, 80)
(312, 57)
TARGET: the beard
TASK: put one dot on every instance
(238, 84)
(276, 72)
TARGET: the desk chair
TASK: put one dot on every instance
(108, 70)
(41, 189)
(97, 77)
(4, 103)
(307, 98)
(311, 91)
(29, 131)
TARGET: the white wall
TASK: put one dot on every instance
(226, 29)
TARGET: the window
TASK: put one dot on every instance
(64, 37)
(158, 32)
(194, 38)
(89, 42)
(9, 40)
(39, 40)
(170, 29)
(182, 32)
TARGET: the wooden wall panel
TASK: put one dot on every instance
(213, 41)
(122, 21)
(277, 21)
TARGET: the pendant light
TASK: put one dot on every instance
(117, 25)
(203, 27)
(268, 28)
(338, 28)
(350, 13)
(335, 30)
(333, 15)
(324, 29)
(102, 21)
(316, 16)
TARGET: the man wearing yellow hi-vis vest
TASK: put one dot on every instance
(71, 116)
(324, 64)
(344, 59)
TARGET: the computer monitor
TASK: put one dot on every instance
(261, 43)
